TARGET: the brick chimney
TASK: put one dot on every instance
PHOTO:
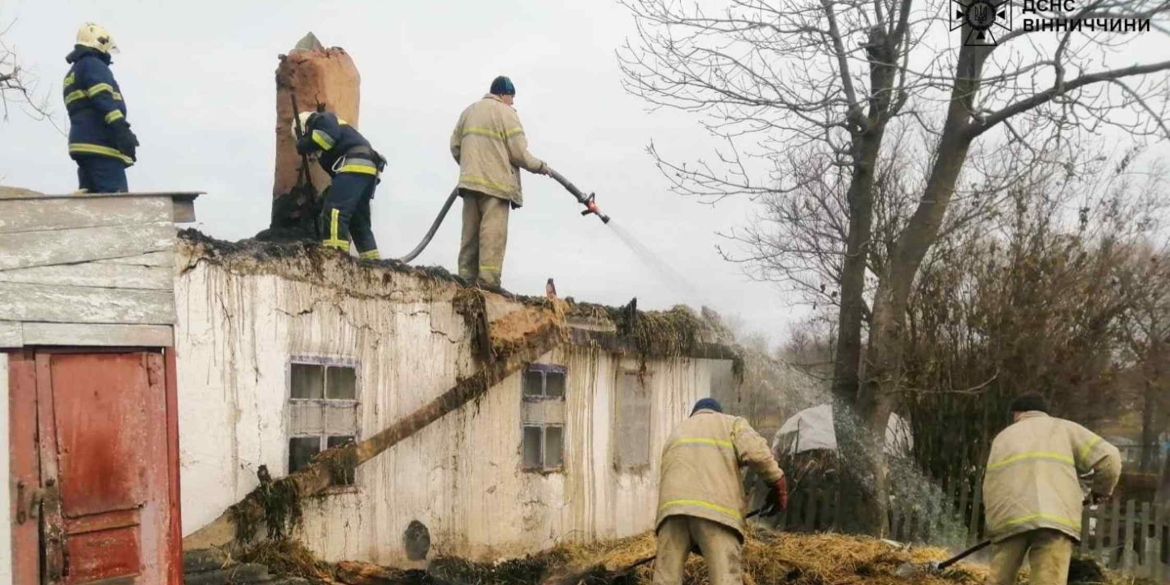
(315, 75)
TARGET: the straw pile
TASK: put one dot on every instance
(796, 559)
(770, 558)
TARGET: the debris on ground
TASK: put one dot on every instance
(798, 559)
(288, 558)
(1085, 571)
(770, 558)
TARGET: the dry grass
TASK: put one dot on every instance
(797, 559)
(287, 557)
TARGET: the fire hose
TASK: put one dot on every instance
(587, 200)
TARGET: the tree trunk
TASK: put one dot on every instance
(847, 361)
(1163, 496)
(885, 349)
(853, 267)
(1150, 445)
(853, 443)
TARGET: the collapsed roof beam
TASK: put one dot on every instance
(505, 357)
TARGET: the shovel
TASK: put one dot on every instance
(935, 567)
(597, 573)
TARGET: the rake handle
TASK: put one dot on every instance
(963, 555)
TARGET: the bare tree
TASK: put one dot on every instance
(1145, 335)
(1033, 297)
(786, 75)
(1038, 116)
(18, 85)
(820, 79)
(815, 82)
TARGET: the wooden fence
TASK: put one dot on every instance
(1133, 537)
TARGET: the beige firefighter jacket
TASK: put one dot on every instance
(489, 144)
(1031, 478)
(700, 469)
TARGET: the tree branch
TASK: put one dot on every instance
(979, 126)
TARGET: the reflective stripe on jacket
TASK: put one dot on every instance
(700, 468)
(489, 144)
(1031, 478)
(342, 148)
(94, 102)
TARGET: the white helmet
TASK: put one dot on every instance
(303, 117)
(95, 36)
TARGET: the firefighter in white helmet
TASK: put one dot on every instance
(355, 169)
(100, 139)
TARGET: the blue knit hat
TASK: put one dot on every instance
(503, 86)
(1029, 402)
(707, 404)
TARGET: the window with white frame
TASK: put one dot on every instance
(543, 417)
(323, 408)
(632, 421)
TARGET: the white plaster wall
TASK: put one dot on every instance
(460, 476)
(5, 486)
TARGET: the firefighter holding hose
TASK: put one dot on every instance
(490, 146)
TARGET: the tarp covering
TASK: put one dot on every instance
(812, 429)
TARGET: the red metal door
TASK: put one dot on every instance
(102, 444)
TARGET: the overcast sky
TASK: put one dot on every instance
(198, 80)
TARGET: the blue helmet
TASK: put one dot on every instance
(503, 86)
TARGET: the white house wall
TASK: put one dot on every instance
(460, 476)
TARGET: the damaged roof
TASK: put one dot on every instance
(677, 332)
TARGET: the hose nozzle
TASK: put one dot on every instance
(591, 207)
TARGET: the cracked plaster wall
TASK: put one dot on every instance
(460, 476)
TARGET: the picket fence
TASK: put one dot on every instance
(1133, 538)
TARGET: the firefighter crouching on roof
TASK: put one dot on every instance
(1032, 495)
(701, 493)
(355, 170)
(490, 146)
(100, 140)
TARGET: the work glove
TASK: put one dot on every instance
(124, 139)
(1096, 498)
(777, 501)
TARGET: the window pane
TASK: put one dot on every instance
(553, 441)
(531, 447)
(301, 451)
(533, 380)
(554, 384)
(342, 383)
(308, 381)
(632, 424)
